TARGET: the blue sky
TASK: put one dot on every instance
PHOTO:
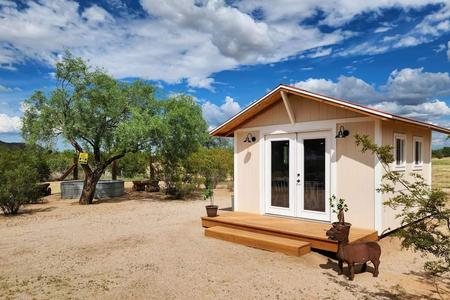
(392, 55)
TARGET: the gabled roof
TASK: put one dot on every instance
(227, 128)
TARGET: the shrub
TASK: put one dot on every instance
(180, 190)
(18, 176)
(133, 164)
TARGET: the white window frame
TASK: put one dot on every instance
(418, 166)
(402, 166)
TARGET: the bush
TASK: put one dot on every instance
(213, 165)
(180, 190)
(19, 173)
(59, 162)
(133, 164)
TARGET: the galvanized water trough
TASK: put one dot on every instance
(105, 189)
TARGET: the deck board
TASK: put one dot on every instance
(309, 231)
(258, 240)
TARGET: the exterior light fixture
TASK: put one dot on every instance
(342, 133)
(250, 138)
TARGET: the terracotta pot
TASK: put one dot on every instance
(211, 210)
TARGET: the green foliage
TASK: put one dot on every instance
(219, 142)
(183, 132)
(95, 113)
(423, 211)
(19, 173)
(337, 204)
(441, 153)
(59, 162)
(211, 164)
(208, 193)
(133, 164)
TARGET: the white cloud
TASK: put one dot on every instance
(349, 88)
(216, 115)
(10, 124)
(182, 40)
(382, 29)
(423, 111)
(320, 52)
(413, 86)
(4, 89)
(429, 29)
(205, 83)
(408, 92)
(440, 48)
(407, 86)
(96, 14)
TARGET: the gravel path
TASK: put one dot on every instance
(144, 246)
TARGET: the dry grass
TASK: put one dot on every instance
(441, 173)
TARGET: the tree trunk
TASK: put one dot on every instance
(75, 169)
(152, 170)
(114, 170)
(90, 183)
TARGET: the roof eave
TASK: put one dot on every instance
(345, 104)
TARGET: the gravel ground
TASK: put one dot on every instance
(147, 247)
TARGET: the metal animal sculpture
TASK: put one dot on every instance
(360, 252)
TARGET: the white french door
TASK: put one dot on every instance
(297, 175)
(280, 167)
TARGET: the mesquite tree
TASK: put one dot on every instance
(94, 113)
(424, 211)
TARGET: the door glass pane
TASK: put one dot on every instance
(280, 173)
(314, 168)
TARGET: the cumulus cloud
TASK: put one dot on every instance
(183, 40)
(407, 92)
(407, 86)
(215, 114)
(413, 86)
(350, 88)
(205, 83)
(423, 111)
(10, 124)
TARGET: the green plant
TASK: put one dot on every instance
(18, 177)
(208, 193)
(423, 211)
(213, 165)
(338, 206)
(133, 164)
(96, 114)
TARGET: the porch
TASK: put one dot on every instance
(279, 234)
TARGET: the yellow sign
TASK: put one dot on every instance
(83, 158)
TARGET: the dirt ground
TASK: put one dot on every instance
(144, 246)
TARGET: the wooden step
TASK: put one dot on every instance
(259, 240)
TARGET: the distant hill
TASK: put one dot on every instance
(11, 145)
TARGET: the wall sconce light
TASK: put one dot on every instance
(342, 133)
(250, 138)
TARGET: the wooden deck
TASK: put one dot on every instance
(296, 229)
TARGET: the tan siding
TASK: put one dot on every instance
(356, 176)
(247, 177)
(389, 221)
(305, 110)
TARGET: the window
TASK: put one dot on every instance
(400, 151)
(418, 153)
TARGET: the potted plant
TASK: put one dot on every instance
(211, 209)
(338, 206)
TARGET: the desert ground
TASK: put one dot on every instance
(145, 246)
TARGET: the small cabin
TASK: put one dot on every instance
(293, 149)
